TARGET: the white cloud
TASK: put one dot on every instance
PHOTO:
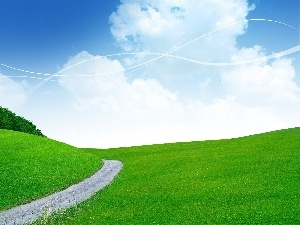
(223, 118)
(115, 108)
(108, 109)
(111, 111)
(227, 118)
(262, 83)
(111, 91)
(159, 25)
(12, 94)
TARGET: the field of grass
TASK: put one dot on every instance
(250, 180)
(33, 166)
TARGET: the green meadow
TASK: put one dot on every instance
(32, 167)
(249, 180)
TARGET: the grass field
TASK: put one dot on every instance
(250, 180)
(32, 167)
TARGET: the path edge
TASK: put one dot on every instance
(59, 201)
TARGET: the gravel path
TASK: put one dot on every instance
(73, 195)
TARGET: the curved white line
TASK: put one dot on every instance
(160, 55)
(167, 54)
(222, 64)
(234, 63)
(173, 49)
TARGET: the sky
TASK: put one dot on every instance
(133, 72)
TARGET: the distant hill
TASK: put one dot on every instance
(10, 121)
(249, 180)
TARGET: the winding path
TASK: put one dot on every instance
(71, 196)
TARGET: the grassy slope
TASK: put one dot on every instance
(32, 166)
(251, 180)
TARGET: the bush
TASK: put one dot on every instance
(10, 121)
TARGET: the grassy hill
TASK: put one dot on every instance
(250, 180)
(33, 166)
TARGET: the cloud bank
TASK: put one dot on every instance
(169, 100)
(12, 94)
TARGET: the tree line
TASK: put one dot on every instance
(10, 121)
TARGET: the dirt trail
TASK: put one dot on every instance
(71, 196)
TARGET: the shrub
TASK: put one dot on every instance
(10, 121)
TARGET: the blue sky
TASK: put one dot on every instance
(44, 34)
(164, 100)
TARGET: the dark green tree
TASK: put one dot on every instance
(10, 121)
